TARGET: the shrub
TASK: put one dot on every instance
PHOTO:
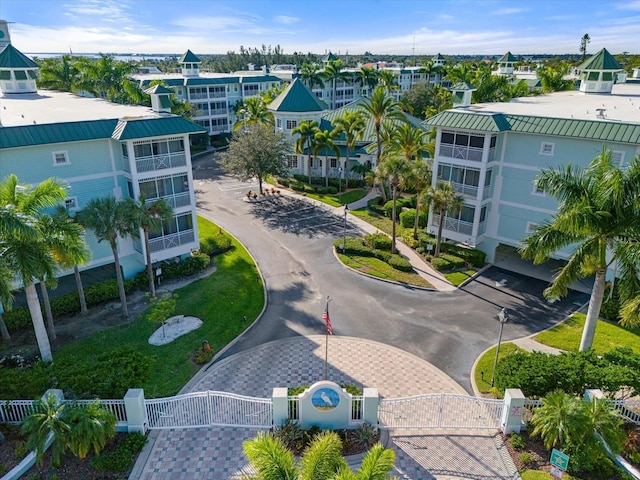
(375, 205)
(408, 218)
(290, 433)
(327, 190)
(378, 241)
(517, 441)
(309, 188)
(17, 319)
(400, 263)
(364, 435)
(407, 238)
(527, 459)
(471, 256)
(203, 356)
(300, 178)
(454, 262)
(401, 202)
(441, 264)
(121, 458)
(215, 245)
(611, 305)
(298, 187)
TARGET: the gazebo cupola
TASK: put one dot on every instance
(190, 64)
(438, 61)
(506, 64)
(598, 73)
(462, 94)
(160, 98)
(18, 72)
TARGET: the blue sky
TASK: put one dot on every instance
(422, 27)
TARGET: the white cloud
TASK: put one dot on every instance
(508, 11)
(633, 5)
(285, 19)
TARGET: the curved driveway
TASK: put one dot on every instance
(293, 250)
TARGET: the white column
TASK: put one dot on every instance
(370, 402)
(513, 410)
(280, 399)
(136, 411)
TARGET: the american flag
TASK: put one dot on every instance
(327, 320)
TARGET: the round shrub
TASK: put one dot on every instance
(408, 218)
(400, 263)
(379, 241)
(407, 238)
(327, 190)
(375, 205)
(454, 262)
(298, 187)
(441, 264)
(215, 245)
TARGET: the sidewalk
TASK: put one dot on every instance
(530, 345)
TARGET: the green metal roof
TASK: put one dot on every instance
(329, 56)
(297, 98)
(260, 78)
(562, 127)
(507, 58)
(11, 57)
(29, 135)
(462, 86)
(158, 89)
(128, 129)
(602, 60)
(211, 81)
(189, 57)
(438, 57)
(172, 82)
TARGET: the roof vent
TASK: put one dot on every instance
(600, 112)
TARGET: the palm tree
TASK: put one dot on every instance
(150, 216)
(323, 140)
(395, 170)
(253, 110)
(109, 78)
(58, 74)
(419, 179)
(321, 460)
(368, 77)
(333, 71)
(459, 73)
(597, 211)
(443, 200)
(306, 130)
(388, 80)
(311, 74)
(30, 240)
(352, 125)
(381, 107)
(108, 219)
(48, 418)
(361, 169)
(91, 427)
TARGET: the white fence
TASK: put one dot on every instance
(440, 411)
(14, 411)
(208, 408)
(629, 409)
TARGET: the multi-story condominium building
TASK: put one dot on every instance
(493, 152)
(98, 149)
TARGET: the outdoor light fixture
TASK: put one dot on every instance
(503, 317)
(344, 235)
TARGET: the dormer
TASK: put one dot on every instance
(190, 64)
(599, 73)
(438, 61)
(160, 98)
(506, 64)
(18, 73)
(462, 94)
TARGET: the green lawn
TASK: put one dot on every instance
(381, 223)
(457, 278)
(339, 200)
(485, 364)
(566, 336)
(378, 268)
(236, 281)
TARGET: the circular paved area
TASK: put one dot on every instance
(216, 453)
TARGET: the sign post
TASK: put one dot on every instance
(559, 463)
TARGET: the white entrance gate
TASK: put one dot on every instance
(440, 411)
(209, 408)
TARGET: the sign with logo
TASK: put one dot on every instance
(559, 462)
(325, 399)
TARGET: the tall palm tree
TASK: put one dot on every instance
(306, 130)
(321, 460)
(381, 107)
(443, 200)
(459, 73)
(388, 80)
(419, 179)
(108, 219)
(323, 140)
(333, 72)
(352, 125)
(368, 77)
(597, 211)
(29, 240)
(108, 78)
(150, 216)
(311, 74)
(58, 74)
(395, 170)
(253, 110)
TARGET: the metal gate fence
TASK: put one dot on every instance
(440, 411)
(208, 408)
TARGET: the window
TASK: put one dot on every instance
(617, 157)
(279, 123)
(292, 161)
(531, 227)
(125, 152)
(71, 203)
(291, 124)
(593, 76)
(607, 76)
(60, 158)
(546, 148)
(333, 162)
(537, 190)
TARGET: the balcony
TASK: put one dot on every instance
(197, 96)
(171, 241)
(460, 151)
(178, 200)
(217, 94)
(219, 111)
(454, 225)
(472, 191)
(160, 162)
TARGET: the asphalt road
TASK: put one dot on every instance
(291, 241)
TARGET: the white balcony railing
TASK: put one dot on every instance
(171, 241)
(461, 152)
(177, 200)
(159, 162)
(197, 96)
(454, 225)
(466, 189)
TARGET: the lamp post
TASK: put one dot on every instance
(340, 183)
(503, 317)
(344, 234)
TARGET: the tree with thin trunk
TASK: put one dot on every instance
(256, 153)
(352, 126)
(253, 110)
(395, 170)
(597, 217)
(388, 81)
(419, 179)
(333, 72)
(368, 78)
(109, 219)
(311, 74)
(150, 216)
(323, 141)
(29, 240)
(306, 131)
(584, 41)
(443, 200)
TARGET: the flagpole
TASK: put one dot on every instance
(326, 342)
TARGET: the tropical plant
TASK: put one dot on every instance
(311, 74)
(256, 153)
(109, 218)
(361, 169)
(253, 111)
(394, 169)
(552, 79)
(333, 72)
(322, 460)
(323, 141)
(584, 41)
(443, 200)
(58, 74)
(306, 131)
(150, 216)
(109, 79)
(91, 427)
(388, 80)
(597, 214)
(368, 77)
(459, 73)
(419, 178)
(31, 241)
(352, 125)
(48, 419)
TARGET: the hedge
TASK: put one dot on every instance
(401, 203)
(378, 241)
(408, 218)
(400, 263)
(375, 205)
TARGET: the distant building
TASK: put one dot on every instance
(99, 148)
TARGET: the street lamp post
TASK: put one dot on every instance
(340, 183)
(503, 317)
(344, 234)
